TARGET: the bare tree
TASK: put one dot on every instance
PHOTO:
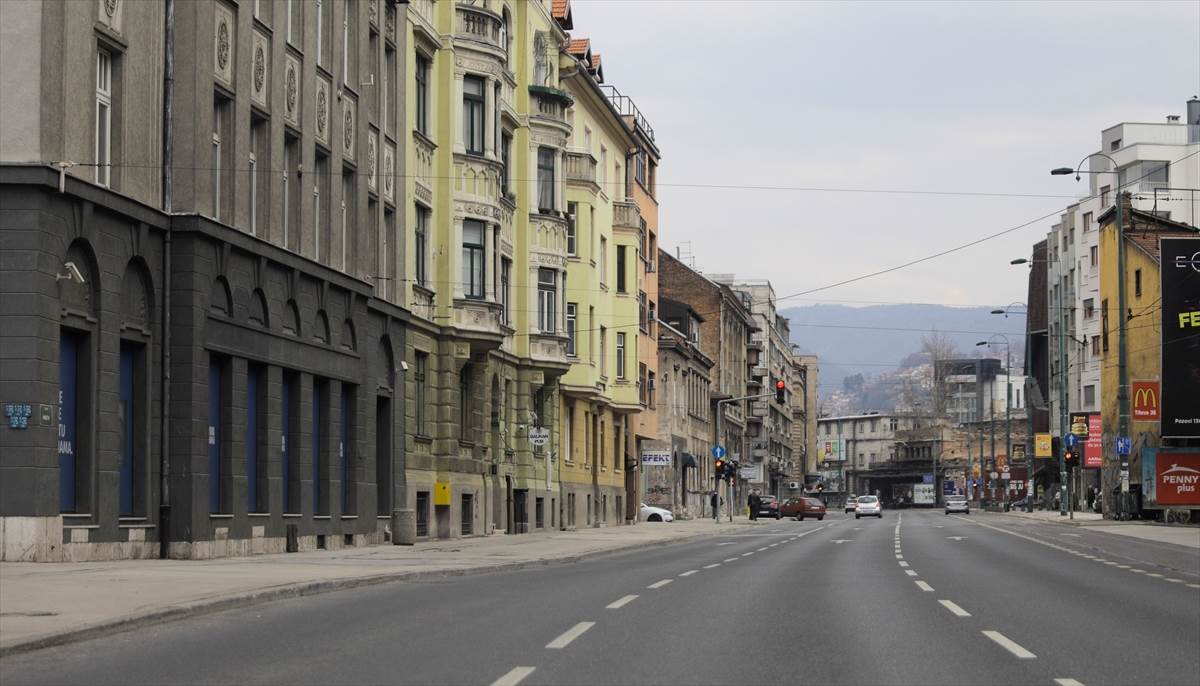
(938, 347)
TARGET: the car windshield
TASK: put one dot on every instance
(956, 499)
(868, 500)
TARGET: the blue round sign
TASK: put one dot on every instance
(718, 452)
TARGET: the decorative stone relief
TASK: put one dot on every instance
(372, 145)
(390, 22)
(389, 172)
(323, 110)
(223, 41)
(373, 12)
(478, 66)
(348, 131)
(292, 90)
(259, 85)
(110, 14)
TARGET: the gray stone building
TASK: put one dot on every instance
(199, 213)
(685, 413)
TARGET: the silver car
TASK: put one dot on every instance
(868, 506)
(957, 503)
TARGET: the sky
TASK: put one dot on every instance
(966, 97)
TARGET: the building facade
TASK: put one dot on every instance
(686, 412)
(206, 224)
(804, 417)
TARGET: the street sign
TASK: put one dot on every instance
(995, 475)
(1123, 445)
(1072, 440)
(718, 452)
(539, 435)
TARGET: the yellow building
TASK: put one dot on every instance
(600, 393)
(1143, 329)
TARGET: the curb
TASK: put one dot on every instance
(308, 588)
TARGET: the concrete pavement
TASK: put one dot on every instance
(52, 603)
(1149, 531)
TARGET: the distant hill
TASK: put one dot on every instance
(870, 340)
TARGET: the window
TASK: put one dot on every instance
(591, 332)
(620, 355)
(505, 289)
(1089, 395)
(603, 169)
(1089, 308)
(1095, 256)
(103, 154)
(639, 170)
(422, 95)
(1087, 221)
(603, 261)
(421, 392)
(1095, 346)
(505, 162)
(388, 92)
(472, 256)
(320, 211)
(468, 514)
(571, 328)
(422, 513)
(643, 323)
(291, 189)
(322, 22)
(1115, 145)
(473, 116)
(349, 42)
(218, 158)
(547, 295)
(260, 176)
(603, 351)
(642, 382)
(1104, 324)
(571, 242)
(1105, 191)
(464, 403)
(1137, 283)
(420, 249)
(349, 206)
(621, 269)
(545, 179)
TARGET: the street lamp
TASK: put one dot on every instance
(1030, 490)
(1008, 402)
(1122, 369)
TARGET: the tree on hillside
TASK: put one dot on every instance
(938, 347)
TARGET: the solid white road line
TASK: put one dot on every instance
(660, 584)
(515, 676)
(689, 572)
(1068, 682)
(715, 564)
(923, 586)
(910, 572)
(621, 602)
(958, 611)
(1122, 566)
(570, 635)
(1009, 645)
(772, 545)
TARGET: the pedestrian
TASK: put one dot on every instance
(715, 500)
(753, 502)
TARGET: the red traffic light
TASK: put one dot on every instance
(780, 387)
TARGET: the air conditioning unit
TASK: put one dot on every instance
(794, 485)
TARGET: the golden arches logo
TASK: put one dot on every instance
(1145, 400)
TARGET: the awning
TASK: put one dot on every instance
(687, 460)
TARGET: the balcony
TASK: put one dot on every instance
(626, 214)
(425, 10)
(581, 168)
(423, 167)
(478, 25)
(550, 105)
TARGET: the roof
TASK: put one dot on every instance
(1143, 229)
(561, 11)
(597, 70)
(579, 47)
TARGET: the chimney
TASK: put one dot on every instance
(1193, 119)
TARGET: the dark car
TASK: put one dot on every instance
(768, 506)
(803, 507)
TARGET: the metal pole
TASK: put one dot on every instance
(1030, 491)
(1008, 416)
(716, 477)
(1122, 369)
(1062, 395)
(992, 430)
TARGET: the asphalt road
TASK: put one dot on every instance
(915, 598)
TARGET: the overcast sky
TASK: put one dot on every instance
(966, 97)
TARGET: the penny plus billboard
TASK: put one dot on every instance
(1180, 385)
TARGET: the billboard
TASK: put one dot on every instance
(1180, 283)
(1043, 446)
(1145, 401)
(1079, 425)
(834, 450)
(1093, 446)
(658, 482)
(1173, 477)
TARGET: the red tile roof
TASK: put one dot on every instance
(579, 47)
(561, 11)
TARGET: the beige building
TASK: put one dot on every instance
(804, 416)
(685, 411)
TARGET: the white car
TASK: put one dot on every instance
(957, 503)
(868, 506)
(851, 503)
(650, 513)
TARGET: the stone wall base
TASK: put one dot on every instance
(31, 539)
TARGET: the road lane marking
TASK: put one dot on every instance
(1193, 585)
(1072, 535)
(570, 635)
(514, 676)
(729, 559)
(840, 541)
(958, 611)
(660, 584)
(689, 572)
(899, 556)
(748, 554)
(1100, 559)
(910, 572)
(1122, 566)
(1068, 682)
(620, 602)
(903, 563)
(1008, 644)
(1138, 571)
(1156, 575)
(772, 545)
(955, 538)
(715, 564)
(728, 543)
(924, 586)
(762, 548)
(1174, 581)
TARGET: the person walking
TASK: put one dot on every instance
(715, 500)
(753, 502)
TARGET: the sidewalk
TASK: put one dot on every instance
(1147, 531)
(43, 604)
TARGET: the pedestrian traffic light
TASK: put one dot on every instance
(780, 386)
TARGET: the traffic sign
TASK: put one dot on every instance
(1072, 440)
(1123, 445)
(718, 451)
(539, 435)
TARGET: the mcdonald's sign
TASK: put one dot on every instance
(1145, 401)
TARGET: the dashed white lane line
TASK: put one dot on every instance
(620, 602)
(899, 557)
(951, 606)
(1009, 645)
(910, 572)
(1122, 566)
(1174, 581)
(514, 676)
(729, 559)
(1156, 575)
(903, 563)
(689, 572)
(715, 564)
(1068, 682)
(762, 548)
(924, 586)
(1135, 570)
(772, 545)
(748, 554)
(1193, 585)
(660, 584)
(570, 635)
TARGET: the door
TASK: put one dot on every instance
(127, 411)
(68, 359)
(521, 510)
(285, 429)
(252, 504)
(214, 436)
(383, 455)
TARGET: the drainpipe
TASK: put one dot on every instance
(164, 338)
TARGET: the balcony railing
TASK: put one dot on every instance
(550, 103)
(424, 9)
(479, 25)
(581, 166)
(627, 214)
(423, 162)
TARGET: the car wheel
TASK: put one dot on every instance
(778, 516)
(654, 518)
(799, 518)
(857, 516)
(820, 517)
(966, 512)
(880, 515)
(947, 512)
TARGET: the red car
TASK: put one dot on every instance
(803, 507)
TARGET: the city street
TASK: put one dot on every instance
(915, 598)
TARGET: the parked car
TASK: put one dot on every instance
(802, 507)
(868, 506)
(957, 503)
(851, 503)
(649, 513)
(768, 506)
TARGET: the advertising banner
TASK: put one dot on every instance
(1180, 281)
(1093, 445)
(1018, 453)
(1042, 446)
(1177, 478)
(834, 450)
(657, 478)
(1145, 401)
(1079, 425)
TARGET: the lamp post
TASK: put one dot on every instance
(1122, 369)
(1007, 402)
(1030, 491)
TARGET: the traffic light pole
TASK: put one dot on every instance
(720, 438)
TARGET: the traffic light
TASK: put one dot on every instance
(719, 469)
(780, 387)
(1070, 457)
